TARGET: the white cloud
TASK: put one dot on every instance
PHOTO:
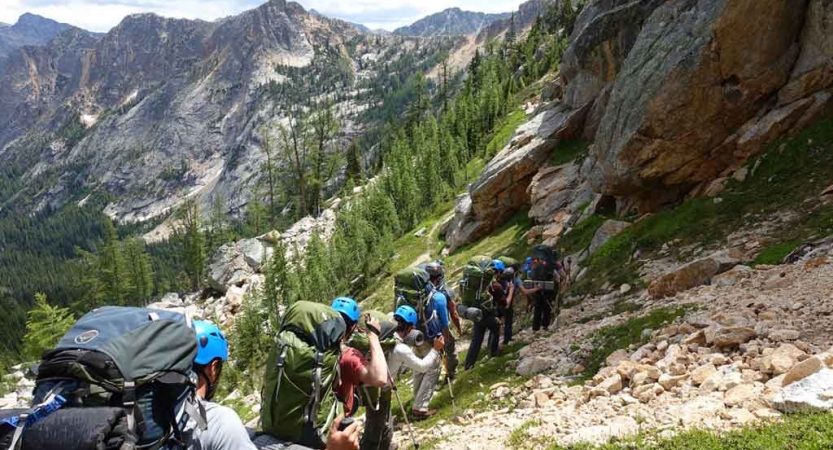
(101, 15)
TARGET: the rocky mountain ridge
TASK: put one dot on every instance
(159, 109)
(450, 22)
(30, 29)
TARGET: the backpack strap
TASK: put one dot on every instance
(17, 440)
(129, 403)
(311, 412)
(280, 364)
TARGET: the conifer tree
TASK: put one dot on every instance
(139, 269)
(45, 325)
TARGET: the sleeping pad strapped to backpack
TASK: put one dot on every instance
(477, 276)
(299, 404)
(134, 359)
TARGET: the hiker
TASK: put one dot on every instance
(491, 320)
(378, 431)
(355, 369)
(425, 383)
(437, 273)
(545, 269)
(503, 290)
(225, 430)
(308, 352)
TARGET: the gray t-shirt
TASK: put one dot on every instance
(225, 431)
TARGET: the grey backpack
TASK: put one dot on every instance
(133, 358)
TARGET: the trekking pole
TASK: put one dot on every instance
(448, 379)
(402, 408)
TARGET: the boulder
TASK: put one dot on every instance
(606, 232)
(534, 365)
(813, 393)
(227, 268)
(691, 275)
(557, 195)
(782, 335)
(739, 394)
(702, 373)
(803, 370)
(733, 336)
(668, 381)
(733, 277)
(611, 385)
(687, 84)
(783, 359)
(501, 189)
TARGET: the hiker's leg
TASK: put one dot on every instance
(547, 311)
(451, 356)
(378, 428)
(266, 442)
(494, 337)
(537, 314)
(476, 343)
(422, 397)
(508, 317)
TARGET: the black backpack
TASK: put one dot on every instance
(544, 260)
(135, 359)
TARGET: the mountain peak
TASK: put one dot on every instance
(449, 22)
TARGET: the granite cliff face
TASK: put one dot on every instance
(672, 99)
(161, 109)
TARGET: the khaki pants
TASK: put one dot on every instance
(425, 383)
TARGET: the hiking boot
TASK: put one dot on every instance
(422, 415)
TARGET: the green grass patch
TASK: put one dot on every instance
(789, 176)
(520, 438)
(609, 339)
(580, 236)
(509, 240)
(776, 253)
(798, 432)
(569, 151)
(504, 133)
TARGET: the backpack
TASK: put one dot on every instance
(543, 263)
(298, 402)
(477, 277)
(510, 262)
(412, 288)
(131, 358)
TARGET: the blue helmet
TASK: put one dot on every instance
(348, 307)
(498, 265)
(529, 260)
(211, 343)
(406, 314)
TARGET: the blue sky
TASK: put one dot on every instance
(101, 15)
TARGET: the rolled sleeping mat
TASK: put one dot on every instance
(414, 339)
(473, 314)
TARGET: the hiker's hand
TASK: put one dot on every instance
(439, 343)
(343, 440)
(372, 325)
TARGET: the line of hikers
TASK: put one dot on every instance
(132, 378)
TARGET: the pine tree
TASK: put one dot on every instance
(139, 269)
(193, 242)
(355, 170)
(112, 267)
(45, 325)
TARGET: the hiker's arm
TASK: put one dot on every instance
(455, 316)
(510, 297)
(415, 363)
(375, 373)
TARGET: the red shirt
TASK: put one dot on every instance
(351, 363)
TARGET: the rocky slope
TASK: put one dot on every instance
(159, 109)
(753, 345)
(451, 22)
(30, 29)
(671, 101)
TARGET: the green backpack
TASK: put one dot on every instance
(358, 340)
(299, 404)
(409, 287)
(510, 262)
(477, 276)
